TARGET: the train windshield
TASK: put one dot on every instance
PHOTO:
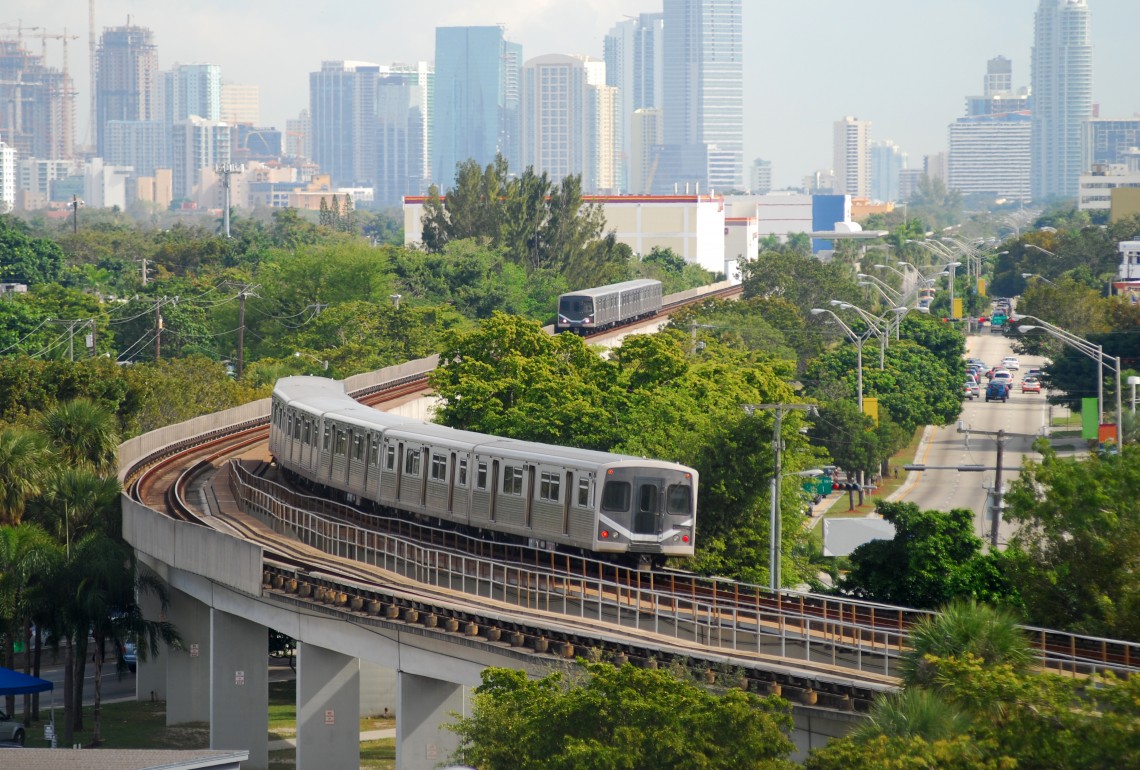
(575, 307)
(679, 500)
(615, 496)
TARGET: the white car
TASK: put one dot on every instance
(1001, 375)
(11, 731)
(1009, 362)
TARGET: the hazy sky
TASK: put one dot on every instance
(905, 65)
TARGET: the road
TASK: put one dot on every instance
(1022, 418)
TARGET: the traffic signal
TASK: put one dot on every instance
(846, 486)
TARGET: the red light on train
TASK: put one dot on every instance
(610, 472)
(684, 538)
(605, 534)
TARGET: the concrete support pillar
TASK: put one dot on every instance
(188, 669)
(423, 705)
(150, 676)
(239, 687)
(377, 690)
(328, 710)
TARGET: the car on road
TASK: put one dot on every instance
(1010, 362)
(1031, 385)
(997, 390)
(131, 656)
(971, 390)
(11, 730)
(1033, 372)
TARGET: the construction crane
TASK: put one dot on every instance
(44, 36)
(19, 27)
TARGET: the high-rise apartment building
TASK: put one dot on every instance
(760, 177)
(477, 99)
(7, 177)
(197, 144)
(887, 163)
(403, 125)
(144, 145)
(990, 148)
(241, 104)
(1109, 141)
(852, 159)
(1062, 95)
(648, 132)
(703, 95)
(634, 53)
(126, 79)
(299, 136)
(37, 105)
(192, 89)
(568, 120)
(342, 103)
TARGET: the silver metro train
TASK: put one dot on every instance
(590, 501)
(592, 310)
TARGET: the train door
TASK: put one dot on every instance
(494, 487)
(399, 469)
(566, 503)
(647, 505)
(529, 492)
(451, 484)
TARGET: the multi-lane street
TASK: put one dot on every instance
(1023, 418)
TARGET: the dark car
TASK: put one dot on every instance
(997, 390)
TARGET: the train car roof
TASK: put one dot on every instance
(624, 285)
(325, 397)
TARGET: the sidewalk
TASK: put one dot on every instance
(282, 744)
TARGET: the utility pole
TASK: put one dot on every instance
(244, 290)
(1000, 436)
(158, 329)
(72, 324)
(226, 170)
(74, 206)
(775, 532)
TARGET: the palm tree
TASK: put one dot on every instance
(82, 433)
(26, 554)
(912, 713)
(78, 501)
(106, 583)
(965, 627)
(23, 458)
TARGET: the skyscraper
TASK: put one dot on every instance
(197, 144)
(990, 147)
(568, 125)
(634, 56)
(853, 157)
(403, 125)
(1062, 95)
(126, 78)
(477, 95)
(703, 93)
(193, 89)
(887, 162)
(342, 102)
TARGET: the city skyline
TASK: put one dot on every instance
(802, 71)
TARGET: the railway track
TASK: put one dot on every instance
(312, 576)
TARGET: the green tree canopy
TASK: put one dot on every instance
(933, 558)
(619, 719)
(1078, 543)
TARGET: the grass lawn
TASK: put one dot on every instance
(142, 725)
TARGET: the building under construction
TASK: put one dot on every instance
(37, 104)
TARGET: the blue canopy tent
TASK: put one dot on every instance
(15, 683)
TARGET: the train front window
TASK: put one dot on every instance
(679, 500)
(576, 308)
(647, 500)
(615, 496)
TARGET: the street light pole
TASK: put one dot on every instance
(775, 529)
(858, 341)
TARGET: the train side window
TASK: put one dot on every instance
(358, 447)
(615, 496)
(390, 458)
(341, 441)
(412, 462)
(512, 480)
(548, 487)
(584, 489)
(308, 433)
(679, 499)
(438, 467)
(289, 425)
(325, 439)
(374, 451)
(462, 480)
(481, 476)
